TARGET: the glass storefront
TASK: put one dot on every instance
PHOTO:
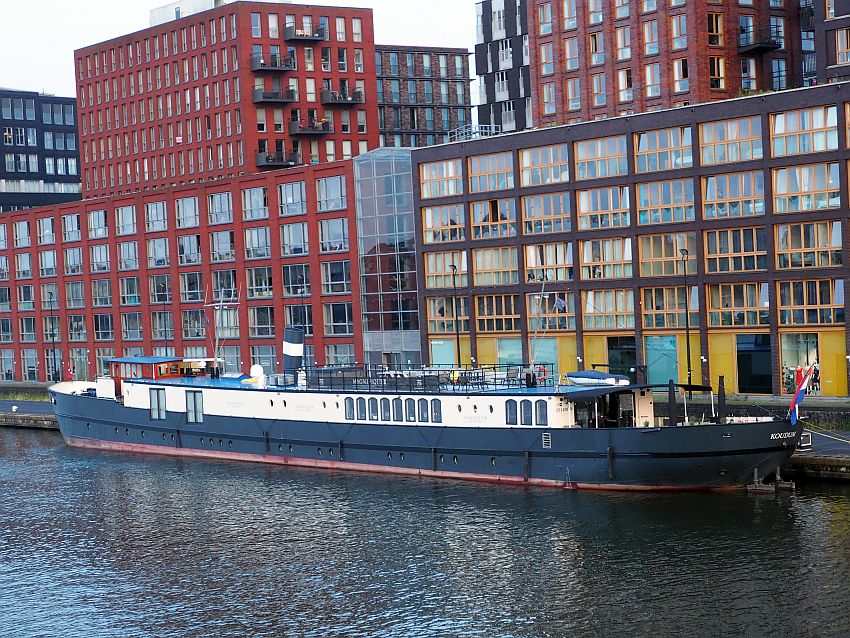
(544, 351)
(622, 356)
(799, 352)
(753, 358)
(510, 351)
(662, 361)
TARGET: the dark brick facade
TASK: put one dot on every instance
(439, 103)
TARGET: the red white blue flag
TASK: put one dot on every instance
(799, 395)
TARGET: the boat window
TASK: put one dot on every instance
(157, 404)
(373, 409)
(410, 409)
(423, 410)
(436, 411)
(361, 409)
(541, 415)
(349, 408)
(510, 412)
(385, 409)
(525, 412)
(397, 411)
(194, 406)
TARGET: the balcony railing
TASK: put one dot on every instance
(292, 34)
(274, 97)
(757, 43)
(343, 99)
(276, 160)
(272, 63)
(311, 128)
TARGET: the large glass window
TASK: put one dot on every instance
(664, 307)
(809, 130)
(800, 351)
(495, 266)
(811, 302)
(603, 207)
(666, 202)
(663, 149)
(441, 179)
(445, 269)
(547, 213)
(606, 258)
(661, 255)
(729, 141)
(442, 224)
(544, 165)
(491, 172)
(493, 218)
(331, 193)
(809, 245)
(803, 188)
(608, 309)
(733, 195)
(741, 304)
(603, 157)
(497, 313)
(549, 262)
(736, 249)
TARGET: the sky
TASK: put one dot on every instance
(39, 36)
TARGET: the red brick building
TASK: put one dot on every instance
(142, 272)
(592, 59)
(243, 87)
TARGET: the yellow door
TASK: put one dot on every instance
(833, 364)
(721, 360)
(595, 351)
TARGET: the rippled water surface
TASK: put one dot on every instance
(96, 544)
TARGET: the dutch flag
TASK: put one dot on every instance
(799, 395)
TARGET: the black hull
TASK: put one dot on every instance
(689, 457)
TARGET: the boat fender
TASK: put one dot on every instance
(530, 380)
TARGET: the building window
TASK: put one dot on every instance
(735, 250)
(491, 172)
(260, 284)
(125, 217)
(497, 313)
(336, 277)
(597, 48)
(603, 157)
(338, 319)
(608, 309)
(660, 255)
(331, 193)
(842, 46)
(681, 83)
(189, 249)
(810, 130)
(194, 406)
(652, 79)
(778, 74)
(809, 245)
(261, 321)
(547, 64)
(258, 243)
(441, 317)
(544, 165)
(679, 31)
(806, 188)
(730, 141)
(493, 218)
(131, 326)
(495, 266)
(603, 207)
(255, 203)
(547, 90)
(439, 272)
(220, 208)
(156, 217)
(441, 179)
(158, 256)
(733, 195)
(606, 258)
(188, 215)
(194, 324)
(551, 311)
(625, 92)
(221, 246)
(666, 307)
(159, 287)
(442, 224)
(101, 293)
(573, 87)
(129, 291)
(650, 37)
(811, 302)
(738, 305)
(293, 198)
(294, 239)
(666, 202)
(600, 96)
(99, 258)
(715, 29)
(191, 287)
(621, 9)
(226, 323)
(549, 213)
(333, 235)
(663, 149)
(549, 262)
(571, 59)
(716, 73)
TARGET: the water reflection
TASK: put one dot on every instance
(91, 542)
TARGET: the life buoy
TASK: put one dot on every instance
(541, 374)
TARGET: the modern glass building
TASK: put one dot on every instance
(387, 254)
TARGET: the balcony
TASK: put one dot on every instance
(342, 99)
(274, 97)
(317, 34)
(313, 128)
(276, 160)
(758, 43)
(272, 63)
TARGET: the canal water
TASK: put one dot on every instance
(99, 544)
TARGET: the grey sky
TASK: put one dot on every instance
(39, 36)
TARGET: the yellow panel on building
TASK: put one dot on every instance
(682, 354)
(833, 363)
(595, 350)
(567, 354)
(488, 351)
(721, 360)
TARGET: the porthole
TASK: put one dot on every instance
(221, 443)
(116, 430)
(493, 461)
(401, 456)
(458, 408)
(88, 426)
(172, 438)
(290, 449)
(127, 431)
(442, 459)
(389, 456)
(330, 451)
(143, 434)
(230, 444)
(454, 459)
(280, 448)
(163, 436)
(491, 409)
(319, 450)
(202, 440)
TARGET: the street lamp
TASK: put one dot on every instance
(52, 335)
(684, 253)
(454, 312)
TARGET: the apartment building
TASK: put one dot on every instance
(39, 148)
(608, 243)
(592, 59)
(423, 94)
